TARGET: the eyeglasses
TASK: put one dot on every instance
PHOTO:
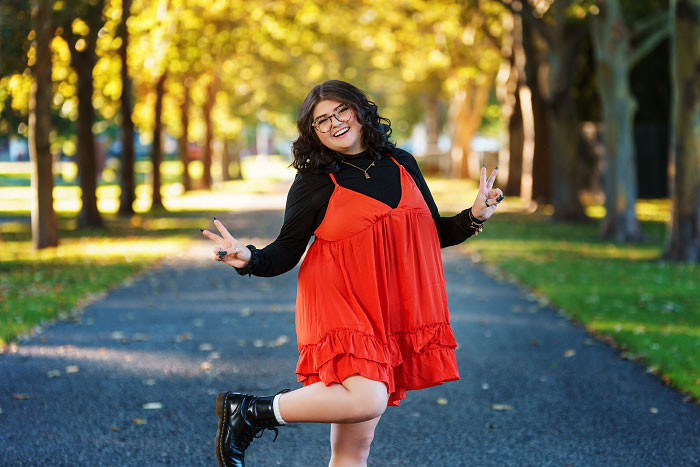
(341, 113)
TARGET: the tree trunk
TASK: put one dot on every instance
(225, 159)
(516, 138)
(536, 180)
(466, 109)
(83, 61)
(239, 143)
(512, 110)
(44, 222)
(612, 48)
(157, 144)
(563, 121)
(182, 143)
(128, 183)
(209, 135)
(432, 124)
(684, 228)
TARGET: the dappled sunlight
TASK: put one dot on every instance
(130, 361)
(106, 250)
(656, 210)
(645, 328)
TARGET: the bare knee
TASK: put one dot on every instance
(369, 407)
(369, 400)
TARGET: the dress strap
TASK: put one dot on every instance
(333, 178)
(392, 158)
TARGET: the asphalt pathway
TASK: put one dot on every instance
(132, 380)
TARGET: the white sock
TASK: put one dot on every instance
(276, 409)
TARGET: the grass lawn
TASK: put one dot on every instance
(621, 293)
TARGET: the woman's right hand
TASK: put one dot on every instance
(237, 254)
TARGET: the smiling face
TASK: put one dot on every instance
(343, 137)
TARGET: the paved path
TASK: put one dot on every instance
(181, 333)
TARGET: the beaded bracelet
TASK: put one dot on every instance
(474, 223)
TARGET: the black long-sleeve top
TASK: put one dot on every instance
(308, 198)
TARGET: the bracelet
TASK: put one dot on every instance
(474, 223)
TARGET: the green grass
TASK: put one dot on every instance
(622, 293)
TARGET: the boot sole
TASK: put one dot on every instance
(220, 412)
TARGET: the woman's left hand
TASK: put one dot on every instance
(487, 199)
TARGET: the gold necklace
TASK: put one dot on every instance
(364, 170)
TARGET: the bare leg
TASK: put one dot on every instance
(358, 399)
(350, 443)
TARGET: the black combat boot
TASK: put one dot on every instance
(242, 417)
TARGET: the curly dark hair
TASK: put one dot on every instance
(310, 155)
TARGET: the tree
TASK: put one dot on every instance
(44, 223)
(80, 28)
(557, 34)
(157, 143)
(615, 58)
(684, 228)
(128, 184)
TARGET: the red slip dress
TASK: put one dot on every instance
(371, 297)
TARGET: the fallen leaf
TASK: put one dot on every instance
(501, 407)
(20, 396)
(150, 382)
(138, 421)
(246, 311)
(182, 337)
(72, 369)
(153, 405)
(484, 386)
(115, 428)
(205, 366)
(279, 342)
(117, 335)
(569, 353)
(258, 343)
(198, 323)
(139, 337)
(442, 401)
(206, 347)
(214, 356)
(53, 373)
(653, 410)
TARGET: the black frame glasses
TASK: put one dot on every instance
(342, 114)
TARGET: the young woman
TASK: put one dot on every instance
(371, 313)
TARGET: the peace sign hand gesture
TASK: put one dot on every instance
(488, 199)
(230, 250)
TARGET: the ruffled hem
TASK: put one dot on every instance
(411, 360)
